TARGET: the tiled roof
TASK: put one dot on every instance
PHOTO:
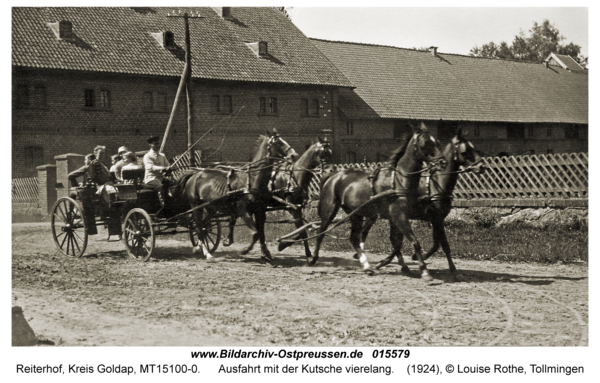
(411, 84)
(118, 40)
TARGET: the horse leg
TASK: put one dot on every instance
(298, 221)
(243, 212)
(443, 240)
(397, 212)
(359, 246)
(229, 240)
(328, 208)
(200, 221)
(396, 238)
(260, 217)
(364, 232)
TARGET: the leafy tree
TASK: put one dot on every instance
(542, 40)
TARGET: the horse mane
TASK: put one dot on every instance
(399, 153)
(178, 185)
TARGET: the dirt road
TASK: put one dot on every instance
(176, 299)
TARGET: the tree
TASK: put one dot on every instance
(542, 40)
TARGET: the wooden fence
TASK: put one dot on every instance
(25, 190)
(541, 176)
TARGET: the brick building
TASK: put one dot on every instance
(88, 76)
(506, 106)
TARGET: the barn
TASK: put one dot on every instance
(508, 107)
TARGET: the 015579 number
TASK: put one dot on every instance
(391, 353)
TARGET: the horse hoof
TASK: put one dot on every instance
(311, 261)
(227, 243)
(369, 271)
(211, 259)
(282, 246)
(426, 277)
(245, 251)
(197, 250)
(355, 256)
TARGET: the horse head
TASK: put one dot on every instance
(277, 148)
(465, 154)
(428, 149)
(318, 154)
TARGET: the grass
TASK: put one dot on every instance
(479, 241)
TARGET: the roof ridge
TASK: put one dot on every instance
(419, 50)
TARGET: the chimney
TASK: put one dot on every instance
(433, 51)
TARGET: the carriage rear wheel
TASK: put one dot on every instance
(138, 235)
(212, 235)
(68, 227)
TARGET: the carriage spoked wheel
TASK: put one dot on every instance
(68, 227)
(138, 235)
(212, 234)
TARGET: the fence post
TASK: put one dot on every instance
(46, 187)
(65, 164)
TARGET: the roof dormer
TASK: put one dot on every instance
(223, 12)
(565, 61)
(63, 30)
(259, 48)
(165, 39)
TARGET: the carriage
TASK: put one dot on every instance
(131, 213)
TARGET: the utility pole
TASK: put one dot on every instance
(188, 82)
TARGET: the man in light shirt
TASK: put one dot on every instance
(157, 167)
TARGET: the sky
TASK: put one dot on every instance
(452, 30)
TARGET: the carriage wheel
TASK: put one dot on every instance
(212, 235)
(138, 235)
(68, 227)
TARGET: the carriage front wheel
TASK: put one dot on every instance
(138, 235)
(68, 227)
(212, 235)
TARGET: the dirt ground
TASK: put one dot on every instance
(177, 299)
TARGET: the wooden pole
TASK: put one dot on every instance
(189, 91)
(175, 106)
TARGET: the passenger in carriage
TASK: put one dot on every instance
(130, 164)
(117, 168)
(82, 171)
(114, 159)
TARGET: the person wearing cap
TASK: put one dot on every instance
(155, 163)
(117, 168)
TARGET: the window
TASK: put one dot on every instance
(350, 127)
(476, 132)
(161, 101)
(34, 156)
(446, 130)
(22, 96)
(169, 40)
(39, 95)
(221, 104)
(515, 131)
(310, 107)
(273, 105)
(105, 98)
(351, 157)
(268, 105)
(571, 132)
(548, 132)
(90, 99)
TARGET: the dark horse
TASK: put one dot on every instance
(236, 192)
(290, 182)
(435, 200)
(351, 188)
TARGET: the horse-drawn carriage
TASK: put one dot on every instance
(130, 213)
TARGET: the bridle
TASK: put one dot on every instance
(270, 143)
